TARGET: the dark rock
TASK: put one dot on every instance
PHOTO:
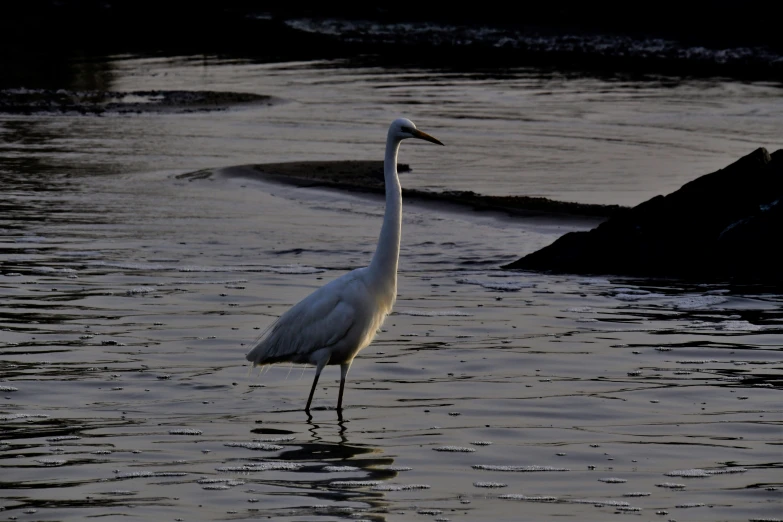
(725, 224)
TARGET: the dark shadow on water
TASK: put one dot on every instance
(49, 428)
(21, 170)
(27, 67)
(89, 502)
(321, 448)
(315, 427)
(340, 471)
(328, 443)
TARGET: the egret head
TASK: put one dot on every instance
(403, 128)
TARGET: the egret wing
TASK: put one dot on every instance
(320, 320)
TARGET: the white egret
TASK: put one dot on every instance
(331, 325)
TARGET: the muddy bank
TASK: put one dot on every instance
(367, 176)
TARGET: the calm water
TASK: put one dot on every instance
(129, 297)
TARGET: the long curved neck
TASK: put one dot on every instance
(384, 262)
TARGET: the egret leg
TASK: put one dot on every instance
(344, 367)
(318, 369)
(312, 390)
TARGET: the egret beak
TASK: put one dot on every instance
(424, 136)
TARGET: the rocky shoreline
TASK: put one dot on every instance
(723, 225)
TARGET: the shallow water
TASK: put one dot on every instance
(522, 132)
(130, 297)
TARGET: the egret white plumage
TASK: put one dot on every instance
(331, 325)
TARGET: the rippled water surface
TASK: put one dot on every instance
(129, 297)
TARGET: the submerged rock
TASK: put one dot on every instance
(725, 224)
